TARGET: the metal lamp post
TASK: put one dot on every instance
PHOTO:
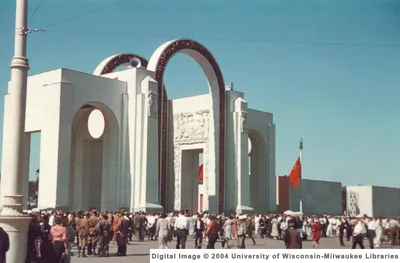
(12, 219)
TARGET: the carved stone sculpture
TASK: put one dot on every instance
(244, 121)
(190, 128)
(152, 104)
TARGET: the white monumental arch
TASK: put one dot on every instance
(113, 139)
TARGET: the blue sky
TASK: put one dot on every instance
(328, 70)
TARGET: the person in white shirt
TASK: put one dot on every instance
(182, 225)
(51, 219)
(257, 224)
(358, 235)
(151, 226)
(329, 227)
(378, 233)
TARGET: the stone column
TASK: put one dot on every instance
(123, 151)
(242, 156)
(146, 153)
(271, 185)
(11, 218)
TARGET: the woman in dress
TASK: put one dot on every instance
(212, 233)
(34, 237)
(234, 228)
(227, 232)
(163, 231)
(274, 230)
(316, 233)
(70, 236)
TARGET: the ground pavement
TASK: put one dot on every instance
(138, 252)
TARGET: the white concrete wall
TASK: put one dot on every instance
(133, 77)
(319, 197)
(262, 130)
(363, 199)
(231, 181)
(189, 129)
(375, 200)
(53, 98)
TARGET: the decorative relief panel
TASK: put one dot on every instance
(152, 98)
(243, 121)
(190, 128)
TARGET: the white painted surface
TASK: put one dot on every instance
(111, 162)
(363, 199)
(373, 200)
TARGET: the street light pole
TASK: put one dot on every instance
(301, 167)
(12, 219)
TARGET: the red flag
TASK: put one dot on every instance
(295, 174)
(201, 174)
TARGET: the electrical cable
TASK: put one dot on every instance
(223, 39)
(37, 8)
(84, 14)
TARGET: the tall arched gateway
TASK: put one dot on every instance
(148, 174)
(204, 58)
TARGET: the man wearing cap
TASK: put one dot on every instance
(77, 220)
(122, 234)
(103, 228)
(92, 238)
(83, 234)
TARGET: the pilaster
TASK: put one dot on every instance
(146, 169)
(242, 156)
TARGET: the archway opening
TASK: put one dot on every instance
(33, 162)
(216, 144)
(192, 83)
(257, 173)
(93, 148)
(187, 93)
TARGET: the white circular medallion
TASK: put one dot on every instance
(249, 145)
(96, 124)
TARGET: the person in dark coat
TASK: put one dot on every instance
(4, 245)
(292, 238)
(198, 231)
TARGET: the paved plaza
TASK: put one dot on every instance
(138, 252)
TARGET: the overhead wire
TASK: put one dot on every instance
(37, 8)
(225, 39)
(84, 14)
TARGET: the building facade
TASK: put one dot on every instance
(372, 201)
(113, 139)
(317, 197)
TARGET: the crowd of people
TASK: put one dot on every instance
(52, 235)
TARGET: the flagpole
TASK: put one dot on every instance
(301, 167)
